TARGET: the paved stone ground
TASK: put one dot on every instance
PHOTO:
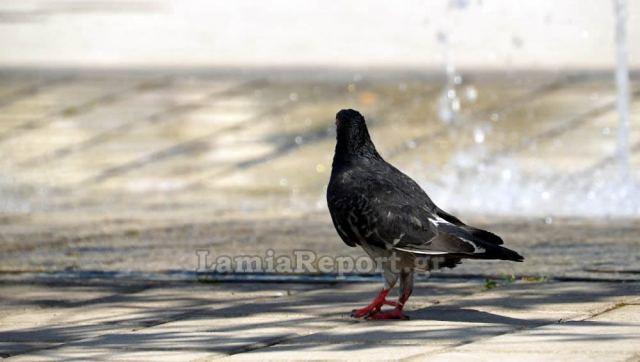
(130, 173)
(452, 319)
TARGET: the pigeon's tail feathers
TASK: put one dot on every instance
(502, 253)
(449, 244)
(470, 234)
(484, 235)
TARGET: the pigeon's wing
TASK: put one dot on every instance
(395, 213)
(412, 191)
(433, 235)
(454, 237)
(391, 223)
(468, 231)
(402, 224)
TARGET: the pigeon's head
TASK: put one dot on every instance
(352, 133)
(349, 117)
(350, 123)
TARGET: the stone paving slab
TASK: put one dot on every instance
(610, 336)
(52, 315)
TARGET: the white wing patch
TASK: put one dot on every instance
(438, 220)
(425, 252)
(416, 221)
(398, 239)
(476, 249)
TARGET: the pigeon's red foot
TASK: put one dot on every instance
(375, 306)
(359, 313)
(370, 309)
(392, 314)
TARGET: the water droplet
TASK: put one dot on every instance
(445, 113)
(299, 140)
(495, 117)
(478, 135)
(548, 220)
(457, 79)
(471, 93)
(351, 87)
(320, 168)
(455, 105)
(284, 182)
(293, 97)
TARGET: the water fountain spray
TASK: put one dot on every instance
(622, 84)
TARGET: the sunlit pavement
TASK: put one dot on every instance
(137, 171)
(456, 319)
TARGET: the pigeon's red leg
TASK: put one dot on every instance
(396, 313)
(406, 285)
(374, 307)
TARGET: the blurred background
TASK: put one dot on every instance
(134, 132)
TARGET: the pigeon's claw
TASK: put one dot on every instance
(392, 314)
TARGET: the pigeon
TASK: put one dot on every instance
(376, 206)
